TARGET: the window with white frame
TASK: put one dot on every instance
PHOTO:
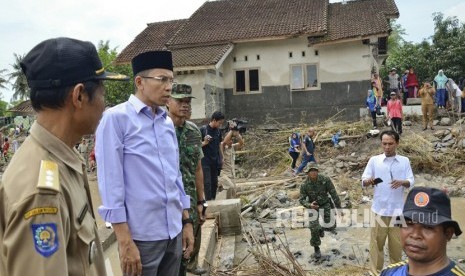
(304, 77)
(246, 81)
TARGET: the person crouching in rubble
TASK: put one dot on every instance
(314, 195)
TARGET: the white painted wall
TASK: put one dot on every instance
(348, 61)
(197, 82)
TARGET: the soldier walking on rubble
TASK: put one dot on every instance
(314, 195)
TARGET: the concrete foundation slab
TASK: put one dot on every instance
(229, 209)
(208, 243)
(413, 101)
(224, 255)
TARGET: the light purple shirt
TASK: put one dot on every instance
(138, 171)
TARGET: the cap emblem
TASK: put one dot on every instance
(421, 199)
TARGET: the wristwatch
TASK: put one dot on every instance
(204, 206)
(188, 220)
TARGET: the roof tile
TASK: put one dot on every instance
(359, 18)
(231, 20)
(203, 38)
(152, 38)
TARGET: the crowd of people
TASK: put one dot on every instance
(441, 93)
(156, 171)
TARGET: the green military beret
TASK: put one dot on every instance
(181, 91)
(310, 166)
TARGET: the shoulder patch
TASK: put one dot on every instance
(40, 211)
(458, 271)
(45, 238)
(49, 176)
(397, 264)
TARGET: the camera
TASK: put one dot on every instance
(238, 125)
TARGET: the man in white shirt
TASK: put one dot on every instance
(389, 174)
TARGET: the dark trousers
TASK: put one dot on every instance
(210, 180)
(373, 117)
(397, 125)
(305, 159)
(294, 155)
(160, 257)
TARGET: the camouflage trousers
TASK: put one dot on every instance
(316, 229)
(191, 263)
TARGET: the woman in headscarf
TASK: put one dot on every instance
(372, 104)
(440, 84)
(412, 83)
(294, 149)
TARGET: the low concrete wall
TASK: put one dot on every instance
(229, 210)
(208, 243)
(407, 110)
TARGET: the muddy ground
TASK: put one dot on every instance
(347, 252)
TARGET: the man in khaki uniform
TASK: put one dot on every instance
(232, 141)
(47, 225)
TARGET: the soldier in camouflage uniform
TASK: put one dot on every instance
(314, 195)
(190, 151)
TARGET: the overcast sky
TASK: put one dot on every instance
(25, 23)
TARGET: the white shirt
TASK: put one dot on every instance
(458, 92)
(388, 201)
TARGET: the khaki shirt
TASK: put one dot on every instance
(47, 226)
(229, 156)
(427, 95)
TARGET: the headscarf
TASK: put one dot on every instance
(441, 80)
(296, 140)
(371, 98)
(411, 80)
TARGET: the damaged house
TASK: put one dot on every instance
(287, 61)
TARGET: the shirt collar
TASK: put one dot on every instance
(58, 148)
(395, 157)
(140, 106)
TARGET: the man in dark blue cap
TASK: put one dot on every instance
(47, 223)
(139, 177)
(426, 228)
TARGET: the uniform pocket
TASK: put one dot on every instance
(86, 244)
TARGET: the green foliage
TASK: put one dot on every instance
(115, 91)
(3, 108)
(19, 85)
(445, 50)
(395, 40)
(3, 79)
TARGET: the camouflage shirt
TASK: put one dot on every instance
(190, 153)
(318, 191)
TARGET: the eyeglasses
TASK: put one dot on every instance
(163, 79)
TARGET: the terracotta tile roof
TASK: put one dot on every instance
(359, 18)
(154, 37)
(211, 30)
(24, 108)
(231, 20)
(199, 56)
